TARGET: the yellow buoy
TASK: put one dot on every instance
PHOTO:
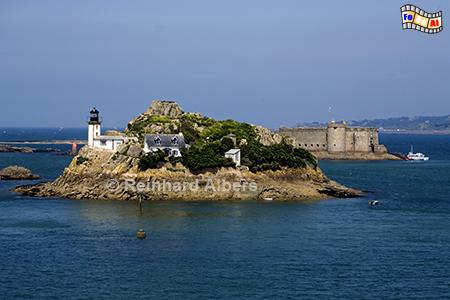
(141, 234)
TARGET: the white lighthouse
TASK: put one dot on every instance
(93, 126)
(105, 142)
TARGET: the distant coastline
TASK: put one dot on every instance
(403, 125)
(422, 132)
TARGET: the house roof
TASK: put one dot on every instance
(165, 140)
(233, 151)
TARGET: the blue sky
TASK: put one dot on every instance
(265, 62)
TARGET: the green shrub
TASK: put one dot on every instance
(81, 160)
(151, 160)
(158, 119)
(259, 157)
(222, 128)
(209, 155)
(201, 121)
(174, 160)
(190, 134)
(227, 144)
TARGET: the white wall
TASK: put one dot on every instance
(235, 157)
(107, 144)
(93, 132)
(172, 149)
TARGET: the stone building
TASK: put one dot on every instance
(339, 141)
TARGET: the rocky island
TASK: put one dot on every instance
(17, 173)
(169, 154)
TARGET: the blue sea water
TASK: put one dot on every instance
(331, 249)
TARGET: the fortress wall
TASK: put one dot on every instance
(338, 141)
(362, 143)
(312, 139)
(337, 138)
(350, 139)
(361, 139)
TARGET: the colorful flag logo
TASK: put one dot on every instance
(415, 18)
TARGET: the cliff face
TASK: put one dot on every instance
(271, 169)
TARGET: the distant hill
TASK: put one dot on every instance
(412, 124)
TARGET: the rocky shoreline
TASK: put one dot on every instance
(323, 155)
(109, 175)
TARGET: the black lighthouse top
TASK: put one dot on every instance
(93, 116)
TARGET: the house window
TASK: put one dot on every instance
(103, 143)
(175, 141)
(174, 152)
(157, 140)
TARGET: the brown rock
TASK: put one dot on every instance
(170, 109)
(17, 173)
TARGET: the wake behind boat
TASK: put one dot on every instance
(416, 156)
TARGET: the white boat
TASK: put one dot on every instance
(416, 156)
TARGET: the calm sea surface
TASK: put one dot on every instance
(333, 249)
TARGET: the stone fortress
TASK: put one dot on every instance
(339, 141)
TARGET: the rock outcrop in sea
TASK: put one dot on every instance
(17, 173)
(271, 168)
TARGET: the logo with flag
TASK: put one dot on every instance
(415, 18)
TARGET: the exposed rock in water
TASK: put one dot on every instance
(17, 173)
(6, 148)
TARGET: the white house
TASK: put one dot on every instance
(235, 155)
(171, 144)
(96, 140)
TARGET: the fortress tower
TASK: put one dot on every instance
(94, 128)
(336, 137)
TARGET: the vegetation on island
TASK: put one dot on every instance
(208, 142)
(81, 160)
(151, 160)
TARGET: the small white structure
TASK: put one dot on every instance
(169, 143)
(96, 140)
(235, 155)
